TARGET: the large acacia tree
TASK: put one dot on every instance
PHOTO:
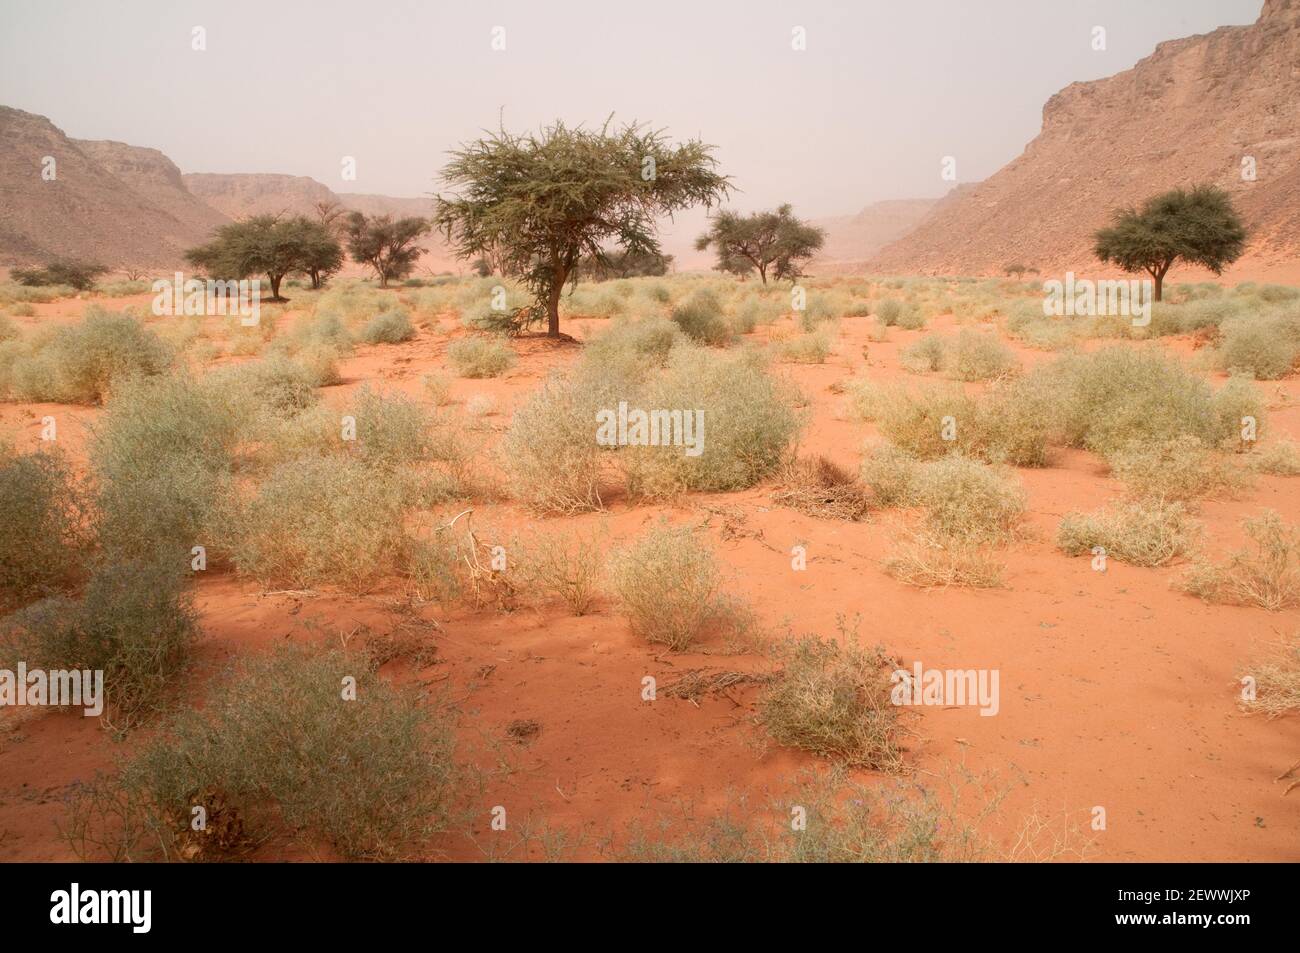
(386, 244)
(1199, 227)
(766, 242)
(538, 203)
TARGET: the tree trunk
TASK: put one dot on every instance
(553, 311)
(275, 286)
(1160, 283)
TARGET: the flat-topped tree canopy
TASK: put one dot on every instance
(537, 204)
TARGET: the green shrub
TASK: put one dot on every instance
(279, 750)
(78, 364)
(977, 356)
(317, 520)
(163, 455)
(134, 622)
(391, 327)
(700, 317)
(1265, 347)
(750, 421)
(43, 514)
(811, 348)
(890, 474)
(479, 357)
(1182, 468)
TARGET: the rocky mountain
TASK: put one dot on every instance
(102, 201)
(1200, 109)
(856, 238)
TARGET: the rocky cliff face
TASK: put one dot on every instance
(1193, 111)
(105, 202)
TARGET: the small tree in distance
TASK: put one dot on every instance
(386, 244)
(764, 241)
(267, 245)
(1199, 227)
(541, 202)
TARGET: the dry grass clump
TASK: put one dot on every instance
(134, 621)
(43, 515)
(811, 348)
(970, 501)
(566, 566)
(1147, 532)
(283, 747)
(1277, 680)
(1280, 458)
(669, 586)
(276, 384)
(391, 327)
(820, 487)
(79, 363)
(924, 355)
(634, 348)
(1182, 468)
(478, 357)
(833, 699)
(936, 562)
(1267, 575)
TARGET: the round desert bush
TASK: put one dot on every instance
(42, 511)
(1119, 393)
(668, 585)
(700, 317)
(923, 355)
(277, 384)
(8, 329)
(635, 347)
(278, 750)
(1146, 532)
(1182, 468)
(318, 520)
(749, 419)
(322, 327)
(890, 474)
(134, 621)
(391, 327)
(480, 357)
(163, 455)
(549, 454)
(1241, 414)
(888, 311)
(968, 500)
(811, 348)
(978, 356)
(401, 440)
(77, 364)
(1265, 347)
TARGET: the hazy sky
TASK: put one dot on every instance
(883, 91)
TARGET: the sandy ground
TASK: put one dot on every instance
(1117, 690)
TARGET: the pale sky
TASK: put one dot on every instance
(883, 91)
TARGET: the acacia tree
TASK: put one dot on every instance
(386, 244)
(541, 202)
(1199, 227)
(763, 241)
(322, 255)
(263, 245)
